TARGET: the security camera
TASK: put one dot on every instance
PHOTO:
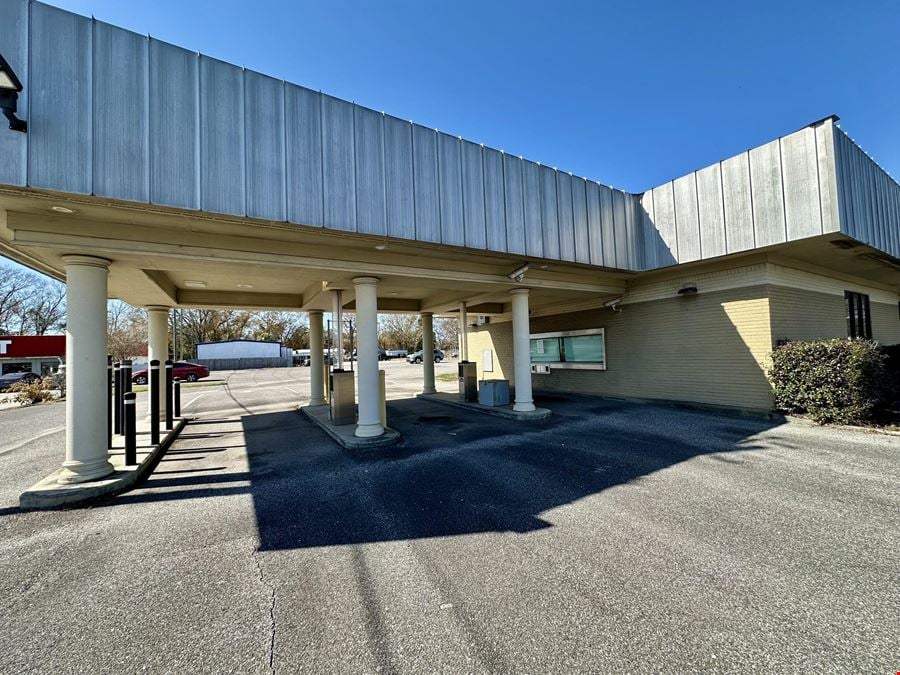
(518, 274)
(613, 304)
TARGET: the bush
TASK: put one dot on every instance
(29, 393)
(838, 381)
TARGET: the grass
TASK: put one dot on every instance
(184, 385)
(447, 377)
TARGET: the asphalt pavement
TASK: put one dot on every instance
(615, 537)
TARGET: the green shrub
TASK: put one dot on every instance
(838, 381)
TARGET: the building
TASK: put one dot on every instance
(241, 354)
(41, 354)
(170, 179)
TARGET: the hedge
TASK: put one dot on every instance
(833, 381)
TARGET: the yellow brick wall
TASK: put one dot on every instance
(710, 348)
(799, 314)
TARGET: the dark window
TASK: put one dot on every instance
(859, 321)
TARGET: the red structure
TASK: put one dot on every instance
(42, 354)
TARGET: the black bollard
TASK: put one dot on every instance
(177, 396)
(117, 401)
(130, 428)
(112, 415)
(125, 375)
(168, 394)
(154, 402)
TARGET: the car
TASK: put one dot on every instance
(8, 380)
(416, 357)
(183, 370)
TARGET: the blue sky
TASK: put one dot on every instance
(630, 93)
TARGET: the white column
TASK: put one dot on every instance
(87, 457)
(463, 335)
(521, 350)
(337, 312)
(316, 359)
(428, 353)
(369, 421)
(158, 348)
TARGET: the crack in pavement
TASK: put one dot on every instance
(272, 602)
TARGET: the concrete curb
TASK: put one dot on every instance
(48, 494)
(536, 415)
(344, 433)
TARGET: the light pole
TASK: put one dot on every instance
(10, 88)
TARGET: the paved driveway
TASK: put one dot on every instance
(615, 537)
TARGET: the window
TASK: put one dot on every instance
(859, 321)
(585, 349)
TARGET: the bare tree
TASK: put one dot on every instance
(446, 333)
(46, 309)
(400, 331)
(288, 328)
(127, 329)
(16, 290)
(213, 325)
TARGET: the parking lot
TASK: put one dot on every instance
(613, 537)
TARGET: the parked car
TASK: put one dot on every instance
(8, 380)
(417, 357)
(395, 353)
(180, 369)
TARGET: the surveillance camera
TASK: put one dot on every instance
(612, 303)
(518, 274)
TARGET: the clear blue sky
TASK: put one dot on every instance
(629, 93)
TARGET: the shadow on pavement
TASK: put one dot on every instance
(455, 472)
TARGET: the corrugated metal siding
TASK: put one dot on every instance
(59, 90)
(812, 182)
(868, 198)
(121, 158)
(14, 38)
(128, 117)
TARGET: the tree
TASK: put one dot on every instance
(400, 331)
(47, 308)
(212, 325)
(446, 333)
(288, 328)
(29, 302)
(126, 330)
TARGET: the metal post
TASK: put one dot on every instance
(109, 400)
(177, 396)
(117, 403)
(154, 402)
(169, 394)
(130, 428)
(126, 386)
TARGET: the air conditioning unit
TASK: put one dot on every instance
(540, 368)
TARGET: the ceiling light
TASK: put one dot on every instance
(62, 209)
(245, 285)
(194, 284)
(10, 87)
(380, 247)
(393, 293)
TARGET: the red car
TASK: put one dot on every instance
(183, 370)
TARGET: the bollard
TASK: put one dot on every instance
(125, 374)
(130, 428)
(115, 403)
(177, 396)
(168, 394)
(154, 402)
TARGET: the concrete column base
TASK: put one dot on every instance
(83, 472)
(368, 430)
